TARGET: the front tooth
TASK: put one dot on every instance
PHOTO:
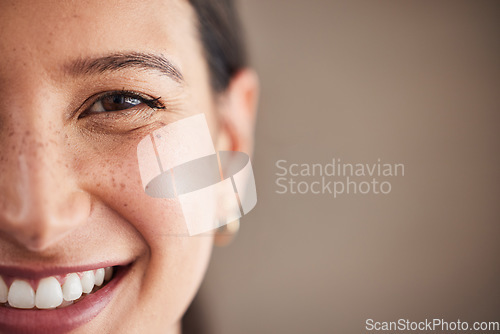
(108, 273)
(4, 291)
(48, 293)
(66, 303)
(72, 288)
(21, 295)
(99, 276)
(88, 281)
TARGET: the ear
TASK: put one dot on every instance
(238, 109)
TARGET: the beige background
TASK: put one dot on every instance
(408, 82)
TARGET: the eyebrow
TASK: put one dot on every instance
(133, 60)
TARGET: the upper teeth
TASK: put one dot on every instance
(49, 293)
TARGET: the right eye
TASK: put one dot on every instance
(121, 101)
(120, 110)
(116, 102)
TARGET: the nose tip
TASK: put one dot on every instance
(39, 224)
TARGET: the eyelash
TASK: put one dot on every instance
(152, 102)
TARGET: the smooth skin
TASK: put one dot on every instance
(70, 190)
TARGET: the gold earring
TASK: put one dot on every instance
(225, 234)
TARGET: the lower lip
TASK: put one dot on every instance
(58, 321)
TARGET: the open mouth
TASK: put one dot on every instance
(57, 303)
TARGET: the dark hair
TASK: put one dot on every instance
(220, 33)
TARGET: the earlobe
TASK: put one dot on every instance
(224, 235)
(238, 112)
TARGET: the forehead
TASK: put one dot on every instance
(49, 32)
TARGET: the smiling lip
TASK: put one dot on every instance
(57, 321)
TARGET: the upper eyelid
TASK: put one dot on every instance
(118, 92)
(94, 98)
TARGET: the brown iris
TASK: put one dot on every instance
(116, 102)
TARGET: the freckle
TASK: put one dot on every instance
(122, 185)
(125, 204)
(27, 133)
(11, 134)
(98, 184)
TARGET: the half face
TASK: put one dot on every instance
(82, 247)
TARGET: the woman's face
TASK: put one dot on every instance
(71, 198)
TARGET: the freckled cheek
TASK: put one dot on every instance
(114, 179)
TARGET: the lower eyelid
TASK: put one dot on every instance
(129, 115)
(118, 124)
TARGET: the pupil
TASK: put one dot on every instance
(118, 99)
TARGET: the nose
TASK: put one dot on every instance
(40, 202)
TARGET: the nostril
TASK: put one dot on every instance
(37, 240)
(34, 242)
(27, 239)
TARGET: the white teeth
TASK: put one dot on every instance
(65, 303)
(21, 295)
(99, 276)
(4, 291)
(88, 280)
(108, 273)
(72, 288)
(48, 293)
